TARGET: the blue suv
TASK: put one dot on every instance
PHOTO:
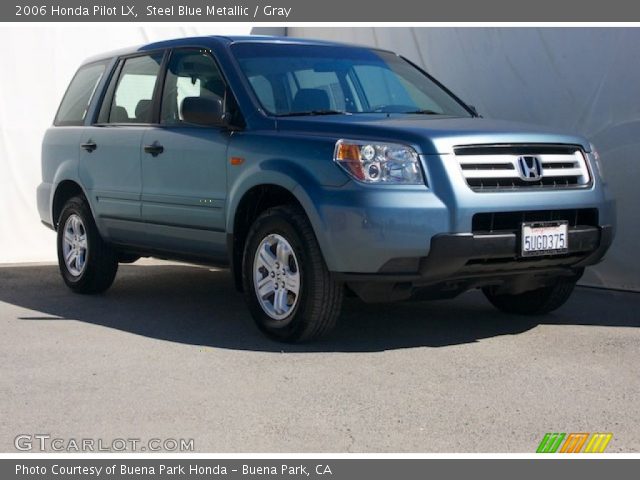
(314, 170)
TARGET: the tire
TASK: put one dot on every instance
(290, 255)
(94, 263)
(536, 302)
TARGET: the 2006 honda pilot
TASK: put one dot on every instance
(314, 170)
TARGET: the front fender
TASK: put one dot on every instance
(290, 176)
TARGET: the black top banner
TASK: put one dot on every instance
(281, 11)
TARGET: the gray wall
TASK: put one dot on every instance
(585, 80)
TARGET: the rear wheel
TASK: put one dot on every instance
(289, 290)
(87, 263)
(536, 302)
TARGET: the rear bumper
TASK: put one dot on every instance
(43, 201)
(460, 261)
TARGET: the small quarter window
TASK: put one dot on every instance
(75, 103)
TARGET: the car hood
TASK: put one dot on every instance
(429, 134)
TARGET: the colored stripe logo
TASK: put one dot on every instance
(574, 443)
(598, 443)
(550, 443)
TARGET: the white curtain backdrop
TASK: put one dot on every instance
(585, 80)
(37, 65)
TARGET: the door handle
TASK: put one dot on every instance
(154, 149)
(89, 146)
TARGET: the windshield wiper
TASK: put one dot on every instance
(424, 112)
(313, 112)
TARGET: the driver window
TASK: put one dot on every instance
(191, 73)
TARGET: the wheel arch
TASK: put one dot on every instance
(248, 201)
(65, 190)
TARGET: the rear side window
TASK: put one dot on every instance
(132, 100)
(75, 103)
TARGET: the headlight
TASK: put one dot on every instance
(597, 162)
(373, 162)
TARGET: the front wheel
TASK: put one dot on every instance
(535, 302)
(87, 263)
(289, 290)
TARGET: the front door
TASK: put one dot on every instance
(184, 176)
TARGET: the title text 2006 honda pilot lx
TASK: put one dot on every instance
(314, 170)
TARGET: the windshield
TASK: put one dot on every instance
(294, 80)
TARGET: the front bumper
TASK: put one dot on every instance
(464, 255)
(459, 261)
(360, 229)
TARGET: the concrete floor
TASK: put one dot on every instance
(171, 352)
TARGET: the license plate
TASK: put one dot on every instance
(544, 238)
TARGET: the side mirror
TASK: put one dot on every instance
(203, 111)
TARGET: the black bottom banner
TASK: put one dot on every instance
(334, 469)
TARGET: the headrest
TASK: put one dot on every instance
(308, 99)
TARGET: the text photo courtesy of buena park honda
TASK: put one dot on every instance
(221, 237)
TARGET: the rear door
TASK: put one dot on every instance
(110, 149)
(184, 176)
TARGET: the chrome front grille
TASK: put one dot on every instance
(515, 167)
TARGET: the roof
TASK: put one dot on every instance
(217, 39)
(278, 39)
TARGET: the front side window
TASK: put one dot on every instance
(293, 79)
(191, 73)
(75, 103)
(132, 100)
